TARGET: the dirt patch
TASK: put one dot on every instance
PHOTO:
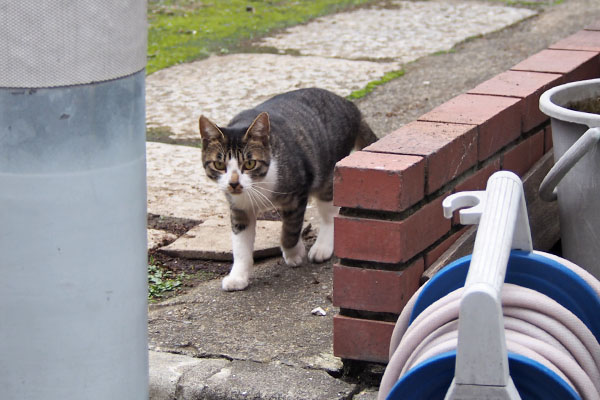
(174, 225)
(195, 271)
(591, 105)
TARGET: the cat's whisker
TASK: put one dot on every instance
(257, 201)
(264, 200)
(258, 184)
(253, 197)
(252, 202)
(273, 191)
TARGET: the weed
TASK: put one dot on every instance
(161, 280)
(388, 76)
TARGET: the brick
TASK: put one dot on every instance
(390, 241)
(432, 255)
(498, 119)
(524, 155)
(375, 290)
(369, 239)
(449, 149)
(526, 85)
(361, 339)
(572, 65)
(374, 181)
(594, 26)
(582, 40)
(478, 180)
(548, 144)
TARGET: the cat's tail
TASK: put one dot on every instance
(365, 136)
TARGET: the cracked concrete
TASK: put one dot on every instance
(191, 378)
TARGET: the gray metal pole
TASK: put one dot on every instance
(73, 284)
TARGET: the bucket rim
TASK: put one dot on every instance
(549, 107)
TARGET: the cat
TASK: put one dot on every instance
(276, 155)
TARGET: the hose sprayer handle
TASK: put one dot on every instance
(481, 357)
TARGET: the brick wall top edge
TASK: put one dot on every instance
(449, 149)
(388, 162)
(585, 40)
(420, 138)
(594, 26)
(556, 61)
(519, 84)
(472, 109)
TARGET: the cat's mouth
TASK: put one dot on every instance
(235, 190)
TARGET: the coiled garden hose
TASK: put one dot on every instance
(536, 327)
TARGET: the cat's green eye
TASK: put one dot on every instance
(250, 164)
(219, 165)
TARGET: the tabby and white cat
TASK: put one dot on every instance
(277, 155)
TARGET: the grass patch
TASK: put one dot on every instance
(163, 134)
(161, 280)
(185, 30)
(388, 76)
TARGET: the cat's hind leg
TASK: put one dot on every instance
(243, 232)
(322, 250)
(292, 246)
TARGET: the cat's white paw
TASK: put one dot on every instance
(294, 257)
(320, 252)
(234, 282)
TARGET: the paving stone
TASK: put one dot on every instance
(399, 30)
(222, 86)
(212, 240)
(178, 186)
(166, 370)
(158, 238)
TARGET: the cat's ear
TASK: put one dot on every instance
(208, 130)
(259, 130)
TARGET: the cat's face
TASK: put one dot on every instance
(237, 159)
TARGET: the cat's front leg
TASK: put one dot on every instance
(243, 231)
(322, 250)
(292, 246)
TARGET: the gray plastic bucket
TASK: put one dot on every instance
(575, 177)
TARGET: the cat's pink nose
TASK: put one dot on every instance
(235, 187)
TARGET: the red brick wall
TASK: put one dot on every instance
(391, 225)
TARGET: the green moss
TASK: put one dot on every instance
(357, 94)
(185, 30)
